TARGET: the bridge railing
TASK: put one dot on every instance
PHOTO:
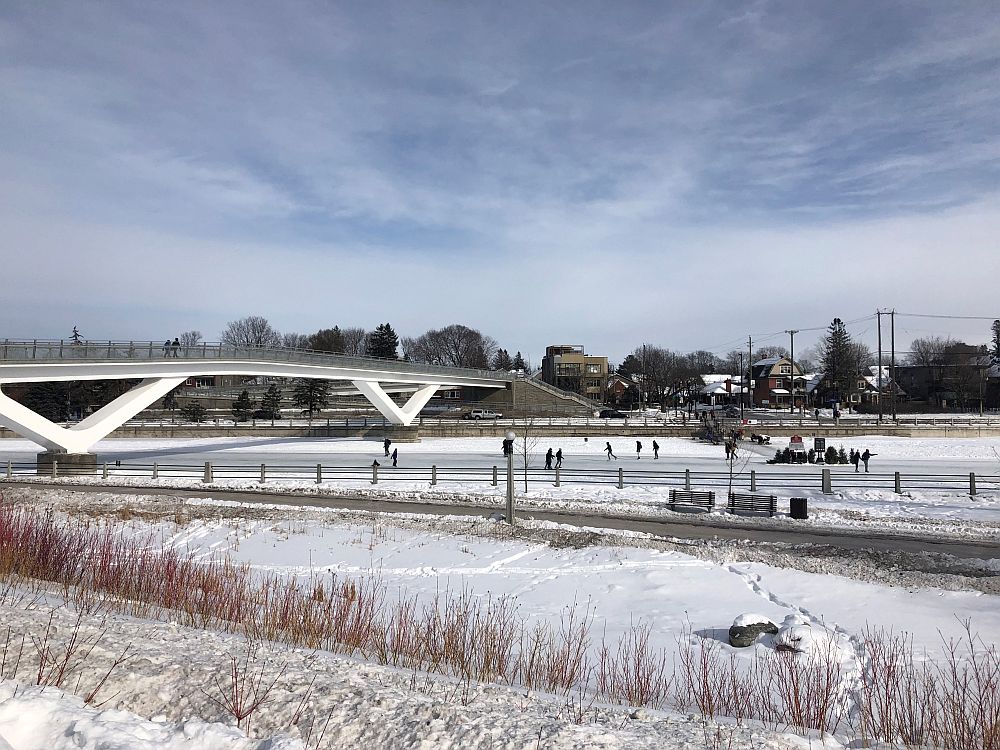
(38, 350)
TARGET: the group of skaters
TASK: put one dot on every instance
(856, 458)
(638, 450)
(394, 455)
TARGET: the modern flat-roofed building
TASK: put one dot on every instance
(569, 367)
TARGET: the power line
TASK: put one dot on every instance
(949, 317)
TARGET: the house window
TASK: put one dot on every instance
(594, 383)
(855, 398)
(785, 369)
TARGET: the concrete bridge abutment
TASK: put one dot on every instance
(66, 464)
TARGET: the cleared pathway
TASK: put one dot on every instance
(683, 527)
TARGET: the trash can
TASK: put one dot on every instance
(798, 508)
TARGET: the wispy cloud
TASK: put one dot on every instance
(629, 152)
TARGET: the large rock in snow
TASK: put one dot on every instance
(747, 628)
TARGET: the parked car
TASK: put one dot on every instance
(483, 414)
(611, 414)
(732, 411)
(266, 414)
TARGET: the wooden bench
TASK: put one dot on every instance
(699, 499)
(747, 501)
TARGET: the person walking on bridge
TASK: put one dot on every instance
(166, 348)
(175, 346)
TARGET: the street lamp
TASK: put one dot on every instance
(510, 476)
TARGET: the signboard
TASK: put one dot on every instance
(795, 442)
(819, 445)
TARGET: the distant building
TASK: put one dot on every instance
(720, 388)
(772, 383)
(568, 367)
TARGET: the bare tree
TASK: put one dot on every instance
(455, 345)
(766, 352)
(526, 445)
(252, 331)
(190, 338)
(703, 362)
(810, 358)
(731, 362)
(295, 341)
(355, 341)
(663, 373)
(929, 351)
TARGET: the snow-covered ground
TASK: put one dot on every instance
(162, 696)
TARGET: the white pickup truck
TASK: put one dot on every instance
(483, 414)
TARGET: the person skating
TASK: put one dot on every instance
(559, 458)
(865, 457)
(610, 453)
(638, 450)
(855, 459)
(548, 459)
(395, 455)
(656, 449)
(385, 444)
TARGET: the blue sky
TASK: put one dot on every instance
(598, 173)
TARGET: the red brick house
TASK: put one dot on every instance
(772, 383)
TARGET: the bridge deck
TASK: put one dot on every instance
(33, 361)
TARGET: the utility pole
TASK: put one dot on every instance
(743, 387)
(892, 371)
(878, 314)
(750, 368)
(792, 379)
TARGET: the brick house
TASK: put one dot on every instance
(771, 385)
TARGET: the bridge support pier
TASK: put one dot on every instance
(401, 415)
(67, 464)
(77, 439)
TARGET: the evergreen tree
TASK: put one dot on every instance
(328, 340)
(50, 400)
(840, 362)
(996, 340)
(502, 360)
(311, 393)
(630, 366)
(382, 343)
(270, 404)
(519, 363)
(170, 402)
(243, 407)
(194, 412)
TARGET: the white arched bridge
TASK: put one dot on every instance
(161, 368)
